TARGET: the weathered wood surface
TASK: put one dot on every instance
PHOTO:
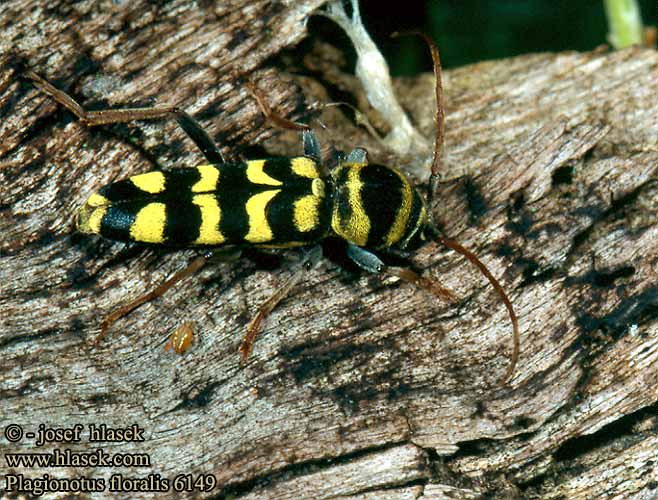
(356, 388)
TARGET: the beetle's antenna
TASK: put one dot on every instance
(453, 245)
(439, 119)
(439, 116)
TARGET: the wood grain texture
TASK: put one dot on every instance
(357, 387)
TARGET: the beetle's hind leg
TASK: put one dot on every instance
(194, 265)
(190, 126)
(368, 261)
(307, 263)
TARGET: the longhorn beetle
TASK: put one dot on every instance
(273, 203)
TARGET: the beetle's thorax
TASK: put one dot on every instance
(375, 206)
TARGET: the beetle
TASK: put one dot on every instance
(273, 203)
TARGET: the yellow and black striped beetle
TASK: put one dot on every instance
(269, 203)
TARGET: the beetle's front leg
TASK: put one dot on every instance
(368, 261)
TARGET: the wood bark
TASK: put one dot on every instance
(357, 387)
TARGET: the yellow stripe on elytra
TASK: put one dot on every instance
(304, 167)
(259, 228)
(89, 219)
(97, 200)
(256, 175)
(95, 219)
(149, 224)
(209, 178)
(402, 216)
(211, 213)
(150, 182)
(306, 213)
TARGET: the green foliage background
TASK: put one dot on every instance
(468, 31)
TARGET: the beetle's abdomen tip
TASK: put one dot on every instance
(89, 217)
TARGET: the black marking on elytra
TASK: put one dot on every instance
(183, 222)
(177, 181)
(280, 211)
(123, 191)
(279, 167)
(119, 217)
(233, 192)
(280, 217)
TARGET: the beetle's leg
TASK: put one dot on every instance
(357, 155)
(307, 263)
(275, 118)
(196, 264)
(368, 261)
(309, 139)
(108, 116)
(361, 119)
(427, 284)
(311, 145)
